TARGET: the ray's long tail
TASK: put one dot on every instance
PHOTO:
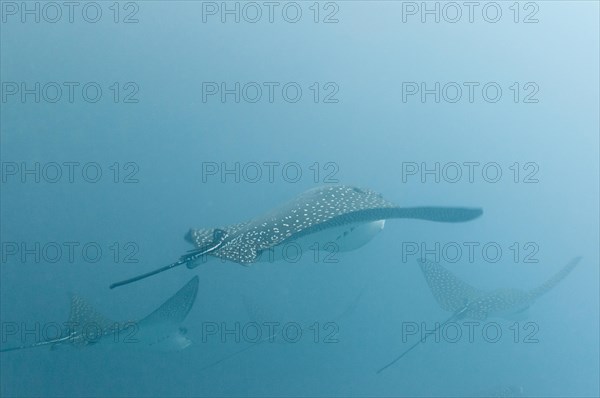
(40, 344)
(219, 237)
(457, 315)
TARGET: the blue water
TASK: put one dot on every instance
(379, 106)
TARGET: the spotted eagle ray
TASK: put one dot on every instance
(160, 330)
(344, 215)
(466, 301)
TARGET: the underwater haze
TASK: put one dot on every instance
(126, 123)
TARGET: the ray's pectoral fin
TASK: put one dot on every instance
(161, 330)
(176, 308)
(450, 292)
(219, 237)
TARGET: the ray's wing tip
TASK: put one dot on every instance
(455, 214)
(192, 286)
(473, 212)
(195, 281)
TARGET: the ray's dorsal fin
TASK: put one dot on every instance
(203, 236)
(554, 280)
(176, 308)
(450, 292)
